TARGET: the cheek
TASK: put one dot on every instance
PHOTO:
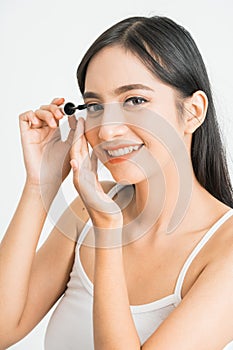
(167, 108)
(92, 136)
(158, 146)
(161, 154)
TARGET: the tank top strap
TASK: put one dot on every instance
(196, 250)
(113, 191)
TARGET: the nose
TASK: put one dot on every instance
(109, 131)
(112, 123)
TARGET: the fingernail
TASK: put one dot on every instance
(53, 123)
(58, 113)
(74, 164)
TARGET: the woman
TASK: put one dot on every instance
(155, 269)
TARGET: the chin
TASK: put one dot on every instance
(127, 174)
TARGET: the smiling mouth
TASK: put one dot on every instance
(123, 151)
(121, 154)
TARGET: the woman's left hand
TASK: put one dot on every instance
(103, 211)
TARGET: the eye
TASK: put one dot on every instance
(94, 108)
(135, 101)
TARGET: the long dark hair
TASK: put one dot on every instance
(170, 53)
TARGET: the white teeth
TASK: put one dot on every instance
(122, 151)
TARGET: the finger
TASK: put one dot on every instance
(80, 127)
(85, 148)
(80, 143)
(46, 117)
(94, 162)
(81, 134)
(58, 101)
(79, 150)
(53, 108)
(27, 120)
(75, 170)
(72, 122)
(75, 151)
(37, 123)
(70, 137)
(74, 166)
(73, 125)
(77, 141)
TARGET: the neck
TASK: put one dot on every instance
(157, 196)
(163, 204)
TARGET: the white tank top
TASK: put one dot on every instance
(71, 327)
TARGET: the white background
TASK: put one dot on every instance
(42, 42)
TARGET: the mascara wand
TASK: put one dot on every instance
(69, 108)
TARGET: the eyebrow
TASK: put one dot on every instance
(118, 91)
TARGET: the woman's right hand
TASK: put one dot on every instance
(46, 156)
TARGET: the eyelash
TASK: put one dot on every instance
(130, 99)
(134, 98)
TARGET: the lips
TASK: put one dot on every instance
(122, 153)
(116, 151)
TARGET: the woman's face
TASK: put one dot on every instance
(127, 109)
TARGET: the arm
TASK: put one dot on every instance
(48, 276)
(41, 141)
(203, 320)
(30, 282)
(112, 319)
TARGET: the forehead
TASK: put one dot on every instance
(115, 66)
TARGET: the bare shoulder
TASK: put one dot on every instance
(222, 241)
(218, 247)
(209, 295)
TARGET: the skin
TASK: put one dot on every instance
(29, 288)
(106, 72)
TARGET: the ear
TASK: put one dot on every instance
(195, 108)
